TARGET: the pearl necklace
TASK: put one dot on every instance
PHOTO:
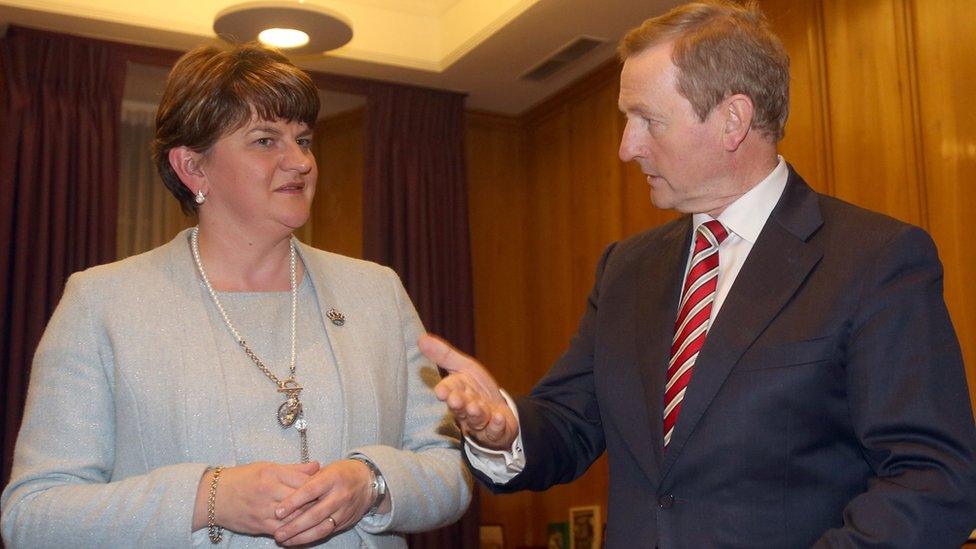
(290, 412)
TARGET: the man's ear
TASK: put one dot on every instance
(187, 165)
(738, 111)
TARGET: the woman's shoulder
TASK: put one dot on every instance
(340, 265)
(344, 278)
(131, 272)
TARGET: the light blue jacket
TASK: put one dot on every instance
(123, 416)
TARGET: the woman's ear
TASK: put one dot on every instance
(186, 164)
(738, 120)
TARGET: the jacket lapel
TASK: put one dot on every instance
(361, 415)
(778, 264)
(204, 385)
(202, 368)
(656, 307)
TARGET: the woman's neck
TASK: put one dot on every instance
(242, 261)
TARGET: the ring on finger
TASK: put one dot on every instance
(332, 520)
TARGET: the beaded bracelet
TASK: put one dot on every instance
(215, 532)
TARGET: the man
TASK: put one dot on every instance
(777, 369)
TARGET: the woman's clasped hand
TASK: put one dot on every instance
(296, 503)
(331, 500)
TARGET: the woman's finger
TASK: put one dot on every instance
(338, 509)
(316, 486)
(314, 524)
(296, 474)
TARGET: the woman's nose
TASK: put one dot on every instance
(297, 158)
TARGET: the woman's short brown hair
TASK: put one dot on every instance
(213, 91)
(722, 48)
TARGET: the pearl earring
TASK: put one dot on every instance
(200, 198)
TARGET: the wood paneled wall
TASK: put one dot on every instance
(881, 117)
(337, 213)
(946, 137)
(882, 96)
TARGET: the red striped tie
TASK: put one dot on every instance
(693, 318)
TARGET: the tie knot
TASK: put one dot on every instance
(713, 232)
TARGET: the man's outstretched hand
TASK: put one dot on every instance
(472, 395)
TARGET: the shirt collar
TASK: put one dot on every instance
(748, 214)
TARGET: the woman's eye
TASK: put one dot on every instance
(304, 142)
(265, 141)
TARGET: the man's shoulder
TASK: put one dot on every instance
(857, 225)
(841, 210)
(664, 242)
(655, 236)
(804, 208)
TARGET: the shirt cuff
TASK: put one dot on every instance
(500, 466)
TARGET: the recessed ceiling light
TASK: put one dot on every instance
(283, 38)
(323, 29)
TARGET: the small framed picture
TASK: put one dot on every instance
(492, 536)
(585, 527)
(557, 535)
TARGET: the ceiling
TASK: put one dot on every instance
(480, 47)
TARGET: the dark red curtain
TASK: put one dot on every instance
(415, 219)
(60, 102)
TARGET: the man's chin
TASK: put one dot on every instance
(662, 200)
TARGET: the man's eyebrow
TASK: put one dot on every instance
(638, 106)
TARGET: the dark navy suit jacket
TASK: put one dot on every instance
(829, 404)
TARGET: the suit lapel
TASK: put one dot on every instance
(778, 264)
(658, 290)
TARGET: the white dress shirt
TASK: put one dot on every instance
(744, 219)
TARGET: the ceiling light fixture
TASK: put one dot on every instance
(293, 26)
(283, 38)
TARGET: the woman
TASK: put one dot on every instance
(233, 386)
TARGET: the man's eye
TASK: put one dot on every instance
(264, 141)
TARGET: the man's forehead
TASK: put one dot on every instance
(654, 59)
(643, 77)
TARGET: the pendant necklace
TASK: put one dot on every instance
(290, 412)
